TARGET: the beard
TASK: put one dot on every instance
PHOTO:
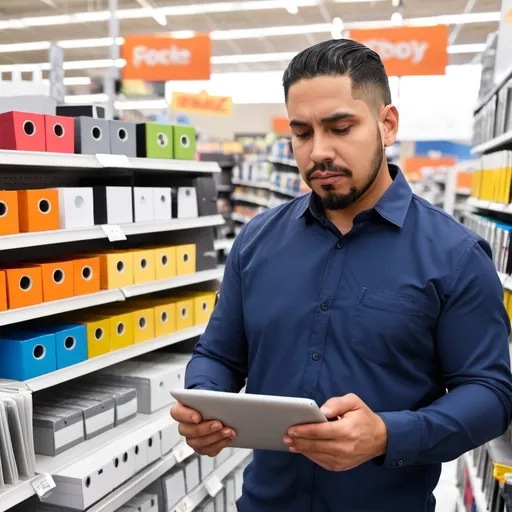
(335, 201)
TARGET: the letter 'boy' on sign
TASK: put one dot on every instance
(408, 50)
(161, 58)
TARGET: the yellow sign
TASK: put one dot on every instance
(202, 103)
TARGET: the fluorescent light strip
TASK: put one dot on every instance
(86, 98)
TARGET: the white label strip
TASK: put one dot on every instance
(99, 421)
(69, 434)
(127, 409)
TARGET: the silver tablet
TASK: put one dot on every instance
(260, 421)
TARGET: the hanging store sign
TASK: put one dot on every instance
(159, 58)
(408, 51)
(202, 103)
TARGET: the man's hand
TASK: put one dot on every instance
(205, 437)
(357, 436)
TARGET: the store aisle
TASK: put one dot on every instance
(446, 491)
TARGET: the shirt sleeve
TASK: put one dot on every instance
(219, 362)
(472, 346)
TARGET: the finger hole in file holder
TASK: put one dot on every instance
(120, 266)
(87, 273)
(59, 130)
(39, 352)
(150, 442)
(70, 343)
(137, 449)
(125, 457)
(116, 462)
(122, 135)
(164, 317)
(142, 199)
(58, 276)
(44, 206)
(163, 199)
(142, 322)
(204, 306)
(143, 263)
(185, 141)
(184, 313)
(120, 329)
(188, 192)
(29, 128)
(185, 258)
(79, 202)
(4, 209)
(165, 260)
(88, 481)
(162, 140)
(96, 133)
(25, 283)
(98, 334)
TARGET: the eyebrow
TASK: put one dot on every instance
(337, 116)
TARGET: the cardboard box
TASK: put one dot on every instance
(38, 210)
(143, 265)
(116, 269)
(57, 278)
(59, 134)
(185, 259)
(22, 131)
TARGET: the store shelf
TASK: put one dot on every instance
(97, 363)
(224, 188)
(464, 191)
(194, 498)
(283, 161)
(254, 184)
(490, 205)
(496, 143)
(476, 484)
(60, 236)
(174, 282)
(224, 244)
(261, 201)
(283, 191)
(71, 161)
(459, 504)
(238, 217)
(14, 316)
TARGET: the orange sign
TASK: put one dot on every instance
(281, 125)
(408, 50)
(202, 104)
(416, 163)
(160, 58)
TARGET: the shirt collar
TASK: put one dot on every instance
(392, 206)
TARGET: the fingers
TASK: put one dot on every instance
(183, 414)
(329, 430)
(340, 405)
(191, 430)
(311, 447)
(210, 443)
(214, 449)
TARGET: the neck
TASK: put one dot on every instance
(344, 219)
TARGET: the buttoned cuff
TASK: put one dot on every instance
(404, 438)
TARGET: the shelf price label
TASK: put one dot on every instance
(186, 505)
(114, 161)
(182, 452)
(114, 233)
(43, 486)
(213, 486)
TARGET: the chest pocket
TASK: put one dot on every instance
(389, 328)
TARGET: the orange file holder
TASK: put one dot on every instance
(86, 276)
(38, 210)
(57, 280)
(24, 287)
(9, 224)
(143, 266)
(165, 262)
(3, 291)
(185, 259)
(116, 270)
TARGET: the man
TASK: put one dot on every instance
(363, 297)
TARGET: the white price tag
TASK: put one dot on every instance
(43, 485)
(114, 161)
(114, 233)
(185, 505)
(182, 452)
(213, 485)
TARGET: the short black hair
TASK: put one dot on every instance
(341, 57)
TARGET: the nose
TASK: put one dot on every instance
(322, 150)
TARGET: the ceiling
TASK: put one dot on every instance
(319, 13)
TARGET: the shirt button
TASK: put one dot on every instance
(339, 245)
(393, 464)
(316, 356)
(400, 462)
(324, 306)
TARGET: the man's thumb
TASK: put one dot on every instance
(340, 405)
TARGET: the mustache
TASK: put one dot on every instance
(328, 167)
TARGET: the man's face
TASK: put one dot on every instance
(336, 139)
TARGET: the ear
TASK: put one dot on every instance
(390, 120)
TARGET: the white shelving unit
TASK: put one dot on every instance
(73, 161)
(283, 161)
(239, 218)
(104, 361)
(253, 184)
(490, 205)
(260, 201)
(495, 143)
(192, 500)
(283, 191)
(44, 309)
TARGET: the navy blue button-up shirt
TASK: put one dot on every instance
(405, 311)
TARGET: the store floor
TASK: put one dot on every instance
(446, 491)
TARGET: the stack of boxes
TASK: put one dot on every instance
(492, 181)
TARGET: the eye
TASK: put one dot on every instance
(341, 131)
(303, 135)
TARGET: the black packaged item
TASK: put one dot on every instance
(206, 193)
(81, 111)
